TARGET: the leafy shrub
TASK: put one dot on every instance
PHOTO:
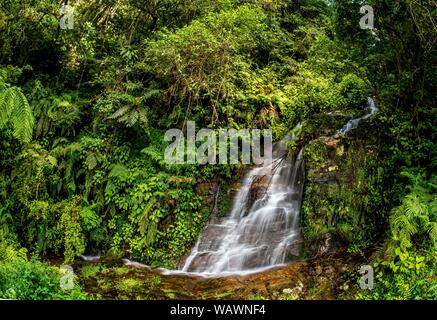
(34, 280)
(31, 280)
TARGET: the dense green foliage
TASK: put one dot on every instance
(31, 280)
(83, 113)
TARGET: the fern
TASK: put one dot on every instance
(22, 118)
(416, 216)
(130, 116)
(6, 106)
(132, 109)
(15, 109)
(120, 112)
(119, 171)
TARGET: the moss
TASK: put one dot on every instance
(169, 294)
(285, 296)
(257, 297)
(224, 203)
(155, 281)
(129, 285)
(121, 271)
(339, 189)
(104, 285)
(90, 270)
(316, 155)
(224, 295)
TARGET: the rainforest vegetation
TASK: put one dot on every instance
(83, 112)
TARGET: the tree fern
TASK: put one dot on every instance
(131, 109)
(131, 116)
(15, 109)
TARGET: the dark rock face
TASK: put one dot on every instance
(327, 244)
(202, 261)
(166, 222)
(208, 190)
(234, 188)
(336, 193)
(258, 188)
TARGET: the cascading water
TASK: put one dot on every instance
(262, 229)
(353, 124)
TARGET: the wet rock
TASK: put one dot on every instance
(258, 189)
(291, 279)
(134, 264)
(294, 249)
(327, 244)
(202, 261)
(91, 259)
(234, 188)
(211, 237)
(208, 190)
(258, 232)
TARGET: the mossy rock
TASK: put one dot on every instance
(338, 192)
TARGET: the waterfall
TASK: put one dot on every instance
(263, 228)
(353, 124)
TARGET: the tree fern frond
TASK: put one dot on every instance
(416, 214)
(432, 231)
(151, 232)
(22, 117)
(3, 76)
(120, 112)
(433, 209)
(402, 224)
(143, 117)
(6, 106)
(130, 119)
(413, 206)
(151, 93)
(15, 108)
